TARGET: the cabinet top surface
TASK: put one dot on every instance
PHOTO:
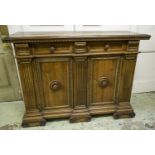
(87, 35)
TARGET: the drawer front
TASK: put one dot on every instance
(97, 47)
(22, 49)
(102, 74)
(52, 48)
(56, 82)
(78, 47)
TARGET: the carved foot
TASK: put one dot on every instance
(33, 118)
(118, 115)
(80, 114)
(124, 110)
(34, 123)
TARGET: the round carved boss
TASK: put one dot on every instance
(103, 82)
(55, 85)
(52, 49)
(106, 47)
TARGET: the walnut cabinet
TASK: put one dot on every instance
(75, 75)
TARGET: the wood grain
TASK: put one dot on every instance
(76, 75)
(98, 68)
(73, 36)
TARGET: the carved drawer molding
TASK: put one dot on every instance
(80, 47)
(22, 49)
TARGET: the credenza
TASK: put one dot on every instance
(75, 75)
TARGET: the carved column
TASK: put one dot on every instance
(80, 112)
(33, 116)
(126, 76)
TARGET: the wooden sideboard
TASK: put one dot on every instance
(75, 75)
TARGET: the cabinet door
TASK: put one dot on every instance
(56, 82)
(102, 83)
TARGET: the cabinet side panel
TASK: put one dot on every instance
(126, 79)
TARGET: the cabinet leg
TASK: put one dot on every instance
(33, 118)
(80, 114)
(124, 110)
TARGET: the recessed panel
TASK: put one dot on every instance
(56, 82)
(103, 76)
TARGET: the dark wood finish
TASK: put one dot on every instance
(73, 36)
(76, 75)
(80, 112)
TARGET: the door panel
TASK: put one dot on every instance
(56, 82)
(102, 75)
(9, 83)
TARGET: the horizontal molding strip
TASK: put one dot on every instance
(147, 51)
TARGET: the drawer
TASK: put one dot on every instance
(51, 48)
(97, 47)
(22, 49)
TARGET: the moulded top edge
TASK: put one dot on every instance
(69, 36)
